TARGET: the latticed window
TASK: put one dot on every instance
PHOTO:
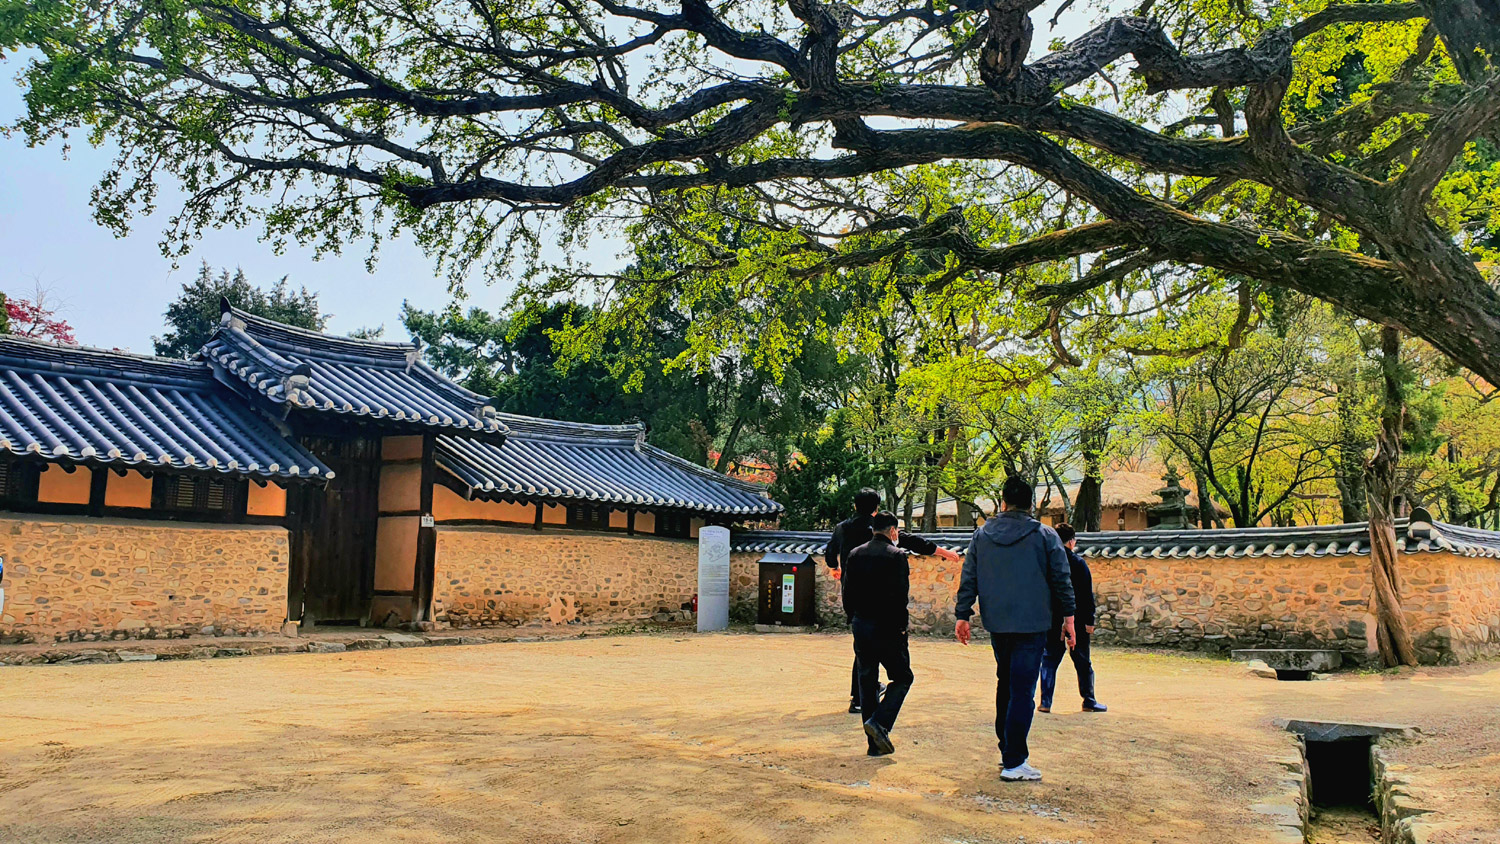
(591, 516)
(18, 482)
(673, 524)
(195, 495)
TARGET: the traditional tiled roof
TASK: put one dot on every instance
(364, 379)
(93, 406)
(1315, 541)
(547, 460)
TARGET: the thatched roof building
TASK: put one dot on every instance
(1127, 499)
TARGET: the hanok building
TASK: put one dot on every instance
(285, 474)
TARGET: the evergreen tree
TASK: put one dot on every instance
(192, 317)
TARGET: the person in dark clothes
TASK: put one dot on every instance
(1083, 620)
(854, 532)
(877, 579)
(1018, 571)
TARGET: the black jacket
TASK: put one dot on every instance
(877, 578)
(1083, 589)
(1083, 594)
(854, 532)
(1018, 572)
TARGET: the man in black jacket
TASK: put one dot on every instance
(854, 532)
(1083, 619)
(877, 579)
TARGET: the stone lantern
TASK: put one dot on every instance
(1173, 513)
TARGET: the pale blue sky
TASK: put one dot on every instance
(114, 291)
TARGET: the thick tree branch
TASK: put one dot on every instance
(1446, 140)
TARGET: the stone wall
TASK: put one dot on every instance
(1223, 603)
(1473, 598)
(1451, 602)
(491, 575)
(76, 578)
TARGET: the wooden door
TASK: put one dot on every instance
(333, 543)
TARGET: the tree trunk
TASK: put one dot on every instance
(930, 502)
(909, 505)
(1392, 635)
(727, 455)
(965, 517)
(1468, 27)
(1349, 474)
(1070, 515)
(1208, 514)
(1088, 506)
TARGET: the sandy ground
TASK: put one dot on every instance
(662, 738)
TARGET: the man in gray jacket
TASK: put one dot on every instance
(1016, 567)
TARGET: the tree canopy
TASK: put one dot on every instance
(192, 317)
(1339, 149)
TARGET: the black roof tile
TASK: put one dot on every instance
(368, 379)
(545, 459)
(1313, 541)
(112, 408)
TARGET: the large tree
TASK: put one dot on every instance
(192, 317)
(460, 119)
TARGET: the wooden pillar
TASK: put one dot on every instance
(426, 539)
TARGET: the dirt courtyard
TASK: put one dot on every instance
(678, 738)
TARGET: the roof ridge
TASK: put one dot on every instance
(629, 431)
(100, 351)
(315, 334)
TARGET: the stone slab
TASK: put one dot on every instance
(326, 647)
(1292, 659)
(403, 640)
(1341, 730)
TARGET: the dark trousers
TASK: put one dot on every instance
(1056, 647)
(875, 646)
(854, 676)
(1018, 661)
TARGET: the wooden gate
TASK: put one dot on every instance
(332, 575)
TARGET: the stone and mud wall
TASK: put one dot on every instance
(491, 575)
(1216, 604)
(90, 579)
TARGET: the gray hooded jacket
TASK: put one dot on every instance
(1017, 568)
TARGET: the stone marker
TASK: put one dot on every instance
(1292, 663)
(713, 579)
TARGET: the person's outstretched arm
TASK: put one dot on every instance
(927, 548)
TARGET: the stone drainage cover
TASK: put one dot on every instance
(1292, 663)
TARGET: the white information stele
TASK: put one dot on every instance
(713, 579)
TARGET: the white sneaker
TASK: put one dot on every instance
(1021, 773)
